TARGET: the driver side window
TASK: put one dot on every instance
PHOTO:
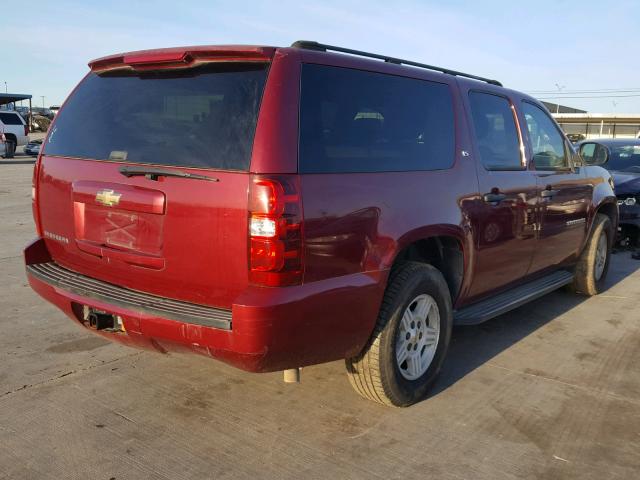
(546, 141)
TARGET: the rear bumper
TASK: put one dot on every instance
(267, 329)
(89, 288)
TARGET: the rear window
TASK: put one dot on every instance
(204, 117)
(10, 118)
(357, 121)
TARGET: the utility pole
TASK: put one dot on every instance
(5, 88)
(42, 96)
(560, 88)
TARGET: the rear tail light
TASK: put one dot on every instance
(26, 130)
(275, 231)
(34, 197)
(34, 179)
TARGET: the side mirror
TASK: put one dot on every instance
(594, 153)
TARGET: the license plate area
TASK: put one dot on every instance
(123, 217)
(126, 230)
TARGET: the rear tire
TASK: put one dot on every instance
(410, 340)
(593, 265)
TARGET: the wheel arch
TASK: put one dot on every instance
(446, 247)
(608, 207)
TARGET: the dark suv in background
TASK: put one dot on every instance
(280, 207)
(621, 156)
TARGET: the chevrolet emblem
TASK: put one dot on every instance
(108, 198)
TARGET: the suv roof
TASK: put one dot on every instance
(187, 56)
(613, 141)
(311, 45)
(313, 52)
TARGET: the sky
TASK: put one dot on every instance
(576, 49)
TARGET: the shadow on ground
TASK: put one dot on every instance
(473, 346)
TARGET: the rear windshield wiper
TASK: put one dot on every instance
(153, 173)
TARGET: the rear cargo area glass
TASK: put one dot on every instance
(203, 117)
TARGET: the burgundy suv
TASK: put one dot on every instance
(281, 207)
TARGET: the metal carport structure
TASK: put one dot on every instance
(7, 98)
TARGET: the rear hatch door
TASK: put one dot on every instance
(144, 176)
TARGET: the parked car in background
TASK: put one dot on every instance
(54, 109)
(43, 112)
(33, 148)
(298, 205)
(576, 137)
(622, 158)
(24, 111)
(16, 131)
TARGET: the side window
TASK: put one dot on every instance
(357, 121)
(10, 119)
(496, 132)
(546, 140)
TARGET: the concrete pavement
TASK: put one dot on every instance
(551, 390)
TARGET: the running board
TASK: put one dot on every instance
(514, 298)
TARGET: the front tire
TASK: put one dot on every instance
(410, 340)
(593, 265)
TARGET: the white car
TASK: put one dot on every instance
(16, 131)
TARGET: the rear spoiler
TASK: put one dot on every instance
(181, 57)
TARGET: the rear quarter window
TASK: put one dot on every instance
(10, 118)
(358, 121)
(203, 117)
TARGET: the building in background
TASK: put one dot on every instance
(579, 124)
(600, 125)
(557, 108)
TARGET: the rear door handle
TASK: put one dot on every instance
(494, 197)
(548, 193)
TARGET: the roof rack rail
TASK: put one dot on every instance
(311, 45)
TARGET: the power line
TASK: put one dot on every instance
(602, 90)
(589, 96)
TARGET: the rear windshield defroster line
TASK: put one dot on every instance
(203, 117)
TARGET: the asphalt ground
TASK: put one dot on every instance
(548, 391)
